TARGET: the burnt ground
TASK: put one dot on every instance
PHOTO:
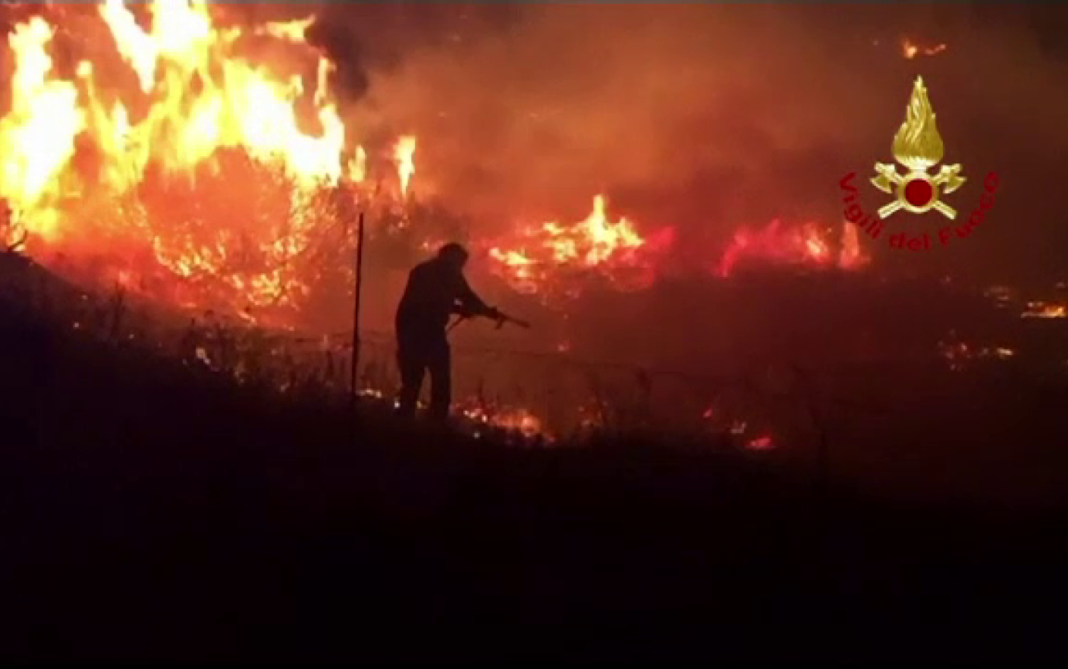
(154, 512)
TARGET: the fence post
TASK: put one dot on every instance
(353, 387)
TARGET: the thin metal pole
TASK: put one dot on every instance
(356, 313)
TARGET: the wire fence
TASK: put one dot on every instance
(532, 392)
(772, 406)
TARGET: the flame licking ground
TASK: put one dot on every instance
(805, 246)
(512, 419)
(539, 260)
(615, 249)
(1045, 310)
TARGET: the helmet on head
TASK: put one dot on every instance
(453, 253)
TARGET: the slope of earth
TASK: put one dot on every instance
(152, 511)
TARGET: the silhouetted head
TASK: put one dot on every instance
(453, 255)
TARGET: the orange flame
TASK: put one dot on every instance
(806, 245)
(403, 154)
(287, 31)
(513, 419)
(37, 136)
(137, 156)
(910, 49)
(1044, 310)
(234, 104)
(596, 243)
(357, 167)
(146, 171)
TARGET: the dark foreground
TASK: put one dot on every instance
(153, 513)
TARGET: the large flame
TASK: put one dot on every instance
(206, 98)
(37, 136)
(148, 172)
(213, 179)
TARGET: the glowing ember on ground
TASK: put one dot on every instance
(761, 443)
(805, 245)
(614, 248)
(1045, 310)
(959, 354)
(718, 419)
(513, 419)
(1001, 296)
(910, 49)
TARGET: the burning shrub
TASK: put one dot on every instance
(543, 259)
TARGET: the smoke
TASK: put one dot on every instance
(345, 52)
(704, 118)
(708, 117)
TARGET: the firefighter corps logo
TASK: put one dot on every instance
(917, 148)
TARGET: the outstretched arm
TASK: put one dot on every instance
(470, 304)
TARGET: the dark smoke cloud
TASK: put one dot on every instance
(360, 37)
(345, 52)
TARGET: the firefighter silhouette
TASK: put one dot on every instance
(436, 290)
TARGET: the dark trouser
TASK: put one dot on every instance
(418, 353)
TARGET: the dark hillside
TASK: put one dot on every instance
(154, 511)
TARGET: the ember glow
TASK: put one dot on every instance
(761, 443)
(959, 355)
(910, 49)
(807, 246)
(1044, 310)
(517, 420)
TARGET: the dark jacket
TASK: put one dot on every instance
(434, 292)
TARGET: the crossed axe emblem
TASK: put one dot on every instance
(916, 190)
